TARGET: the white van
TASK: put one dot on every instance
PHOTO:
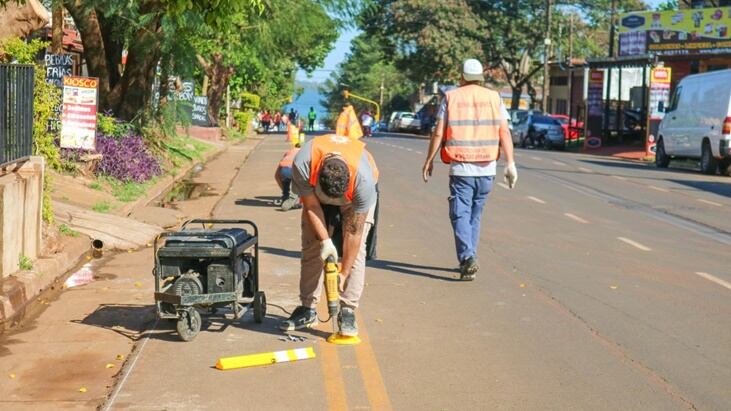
(697, 124)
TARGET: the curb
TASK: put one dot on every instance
(22, 288)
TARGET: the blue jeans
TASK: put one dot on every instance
(286, 174)
(467, 199)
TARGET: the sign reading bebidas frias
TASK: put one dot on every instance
(57, 67)
(78, 119)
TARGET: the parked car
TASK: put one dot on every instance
(537, 129)
(697, 124)
(570, 126)
(404, 121)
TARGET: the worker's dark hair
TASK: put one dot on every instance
(334, 177)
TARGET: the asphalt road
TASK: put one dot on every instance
(604, 284)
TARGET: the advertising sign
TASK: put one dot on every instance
(679, 32)
(57, 66)
(659, 92)
(199, 115)
(595, 109)
(78, 119)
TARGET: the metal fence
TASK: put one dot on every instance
(16, 112)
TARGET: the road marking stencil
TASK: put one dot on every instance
(576, 218)
(713, 203)
(634, 244)
(558, 163)
(713, 278)
(537, 200)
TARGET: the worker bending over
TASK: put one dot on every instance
(336, 178)
(472, 125)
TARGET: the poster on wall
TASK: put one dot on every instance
(78, 119)
(675, 32)
(660, 78)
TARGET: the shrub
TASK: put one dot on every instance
(126, 158)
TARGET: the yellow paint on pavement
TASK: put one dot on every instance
(371, 373)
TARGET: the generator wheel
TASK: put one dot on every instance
(260, 307)
(189, 324)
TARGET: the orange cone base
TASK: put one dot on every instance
(339, 339)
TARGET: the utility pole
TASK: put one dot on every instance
(380, 100)
(546, 56)
(571, 67)
(608, 96)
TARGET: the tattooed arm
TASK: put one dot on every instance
(353, 224)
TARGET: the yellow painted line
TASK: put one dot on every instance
(576, 218)
(537, 200)
(656, 188)
(713, 278)
(634, 244)
(713, 203)
(331, 371)
(371, 373)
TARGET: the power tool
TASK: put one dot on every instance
(332, 292)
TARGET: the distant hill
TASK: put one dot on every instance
(308, 85)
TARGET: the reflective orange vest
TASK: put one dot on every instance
(473, 122)
(351, 151)
(348, 125)
(288, 158)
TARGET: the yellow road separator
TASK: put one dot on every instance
(266, 358)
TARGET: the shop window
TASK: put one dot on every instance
(560, 81)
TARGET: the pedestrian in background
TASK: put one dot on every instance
(311, 117)
(347, 123)
(283, 177)
(472, 125)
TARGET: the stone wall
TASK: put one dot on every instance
(21, 196)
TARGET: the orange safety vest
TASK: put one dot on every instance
(348, 125)
(351, 151)
(473, 124)
(288, 158)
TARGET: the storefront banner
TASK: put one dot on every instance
(78, 119)
(675, 32)
(595, 99)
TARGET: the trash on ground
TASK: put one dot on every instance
(110, 365)
(82, 389)
(267, 358)
(82, 277)
(11, 376)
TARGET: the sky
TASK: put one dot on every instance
(336, 56)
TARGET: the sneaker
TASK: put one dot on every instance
(468, 269)
(346, 322)
(302, 317)
(290, 203)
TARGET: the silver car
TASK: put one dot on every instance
(537, 129)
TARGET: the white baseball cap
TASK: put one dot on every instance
(472, 70)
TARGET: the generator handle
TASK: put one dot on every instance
(205, 221)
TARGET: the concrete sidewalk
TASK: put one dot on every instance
(69, 354)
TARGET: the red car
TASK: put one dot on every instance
(572, 132)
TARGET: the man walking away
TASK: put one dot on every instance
(283, 176)
(335, 176)
(472, 125)
(347, 123)
(311, 116)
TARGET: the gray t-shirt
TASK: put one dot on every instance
(364, 193)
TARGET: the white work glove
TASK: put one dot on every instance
(511, 175)
(327, 249)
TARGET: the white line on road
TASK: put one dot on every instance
(537, 200)
(418, 152)
(620, 178)
(536, 158)
(576, 218)
(586, 170)
(503, 185)
(656, 188)
(558, 163)
(713, 203)
(634, 244)
(715, 279)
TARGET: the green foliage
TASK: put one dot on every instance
(109, 126)
(68, 231)
(668, 5)
(250, 101)
(243, 118)
(181, 150)
(96, 186)
(129, 191)
(102, 207)
(25, 263)
(47, 211)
